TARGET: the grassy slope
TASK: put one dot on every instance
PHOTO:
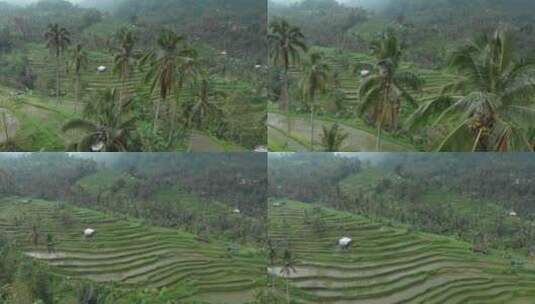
(131, 254)
(389, 264)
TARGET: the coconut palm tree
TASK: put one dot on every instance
(57, 40)
(381, 94)
(333, 138)
(314, 81)
(125, 59)
(79, 61)
(497, 112)
(286, 44)
(288, 267)
(107, 127)
(205, 103)
(164, 66)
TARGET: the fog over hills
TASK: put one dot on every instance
(370, 4)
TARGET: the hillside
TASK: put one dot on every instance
(131, 254)
(387, 264)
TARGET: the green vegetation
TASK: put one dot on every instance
(426, 86)
(385, 263)
(128, 254)
(132, 228)
(174, 79)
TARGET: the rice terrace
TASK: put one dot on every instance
(376, 228)
(132, 228)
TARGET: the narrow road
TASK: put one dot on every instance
(200, 142)
(357, 141)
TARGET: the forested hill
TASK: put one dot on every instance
(236, 26)
(230, 25)
(428, 28)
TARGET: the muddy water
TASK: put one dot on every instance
(357, 141)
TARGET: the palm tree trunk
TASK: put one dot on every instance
(312, 127)
(287, 291)
(285, 102)
(379, 134)
(173, 118)
(58, 63)
(77, 91)
(156, 115)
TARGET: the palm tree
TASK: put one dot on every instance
(165, 66)
(205, 103)
(57, 40)
(314, 81)
(286, 43)
(79, 61)
(125, 59)
(382, 93)
(287, 268)
(496, 114)
(107, 129)
(333, 138)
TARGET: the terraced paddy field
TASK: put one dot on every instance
(387, 265)
(133, 255)
(42, 65)
(345, 67)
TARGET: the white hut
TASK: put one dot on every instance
(258, 66)
(364, 73)
(261, 149)
(89, 232)
(344, 242)
(223, 53)
(513, 213)
(102, 69)
(236, 211)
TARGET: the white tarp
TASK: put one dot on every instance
(364, 73)
(89, 232)
(344, 242)
(102, 69)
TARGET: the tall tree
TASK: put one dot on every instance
(333, 138)
(125, 59)
(206, 103)
(164, 66)
(107, 126)
(288, 267)
(498, 111)
(286, 44)
(314, 81)
(57, 40)
(381, 94)
(79, 61)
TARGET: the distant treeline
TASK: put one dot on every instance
(149, 186)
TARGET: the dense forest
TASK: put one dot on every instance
(409, 75)
(134, 76)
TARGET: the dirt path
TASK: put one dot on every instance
(358, 140)
(279, 137)
(200, 142)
